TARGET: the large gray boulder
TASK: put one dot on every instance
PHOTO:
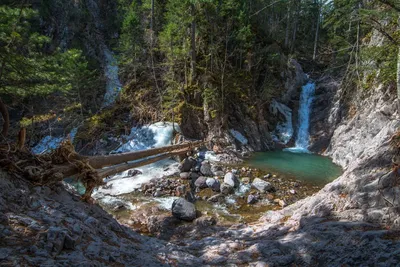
(262, 185)
(231, 179)
(183, 210)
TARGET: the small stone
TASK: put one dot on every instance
(262, 185)
(180, 190)
(184, 175)
(183, 210)
(216, 198)
(187, 164)
(251, 199)
(245, 180)
(226, 189)
(205, 169)
(201, 182)
(231, 179)
(194, 175)
(282, 203)
(213, 184)
(219, 173)
(205, 221)
(292, 191)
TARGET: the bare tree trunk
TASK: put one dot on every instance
(193, 44)
(98, 162)
(398, 80)
(295, 25)
(6, 118)
(317, 31)
(287, 25)
(123, 167)
(152, 17)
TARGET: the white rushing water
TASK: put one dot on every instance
(303, 135)
(113, 84)
(149, 136)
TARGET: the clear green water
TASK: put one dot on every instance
(311, 168)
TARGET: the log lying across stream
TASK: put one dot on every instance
(121, 162)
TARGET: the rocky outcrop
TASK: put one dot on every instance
(43, 226)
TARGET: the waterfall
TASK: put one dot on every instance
(303, 135)
(113, 84)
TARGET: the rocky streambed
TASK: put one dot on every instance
(202, 194)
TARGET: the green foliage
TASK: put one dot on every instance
(27, 67)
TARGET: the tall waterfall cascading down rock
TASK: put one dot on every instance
(303, 135)
(113, 84)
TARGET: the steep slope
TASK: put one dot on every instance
(42, 226)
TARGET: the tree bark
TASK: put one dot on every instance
(126, 166)
(295, 25)
(398, 81)
(287, 26)
(98, 162)
(152, 17)
(6, 118)
(317, 30)
(193, 44)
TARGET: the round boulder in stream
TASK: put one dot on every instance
(226, 189)
(183, 210)
(214, 184)
(262, 185)
(205, 168)
(201, 182)
(187, 164)
(231, 180)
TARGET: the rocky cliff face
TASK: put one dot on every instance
(354, 128)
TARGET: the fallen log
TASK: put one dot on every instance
(126, 166)
(98, 162)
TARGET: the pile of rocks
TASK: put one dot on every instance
(200, 179)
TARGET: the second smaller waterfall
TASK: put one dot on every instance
(303, 135)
